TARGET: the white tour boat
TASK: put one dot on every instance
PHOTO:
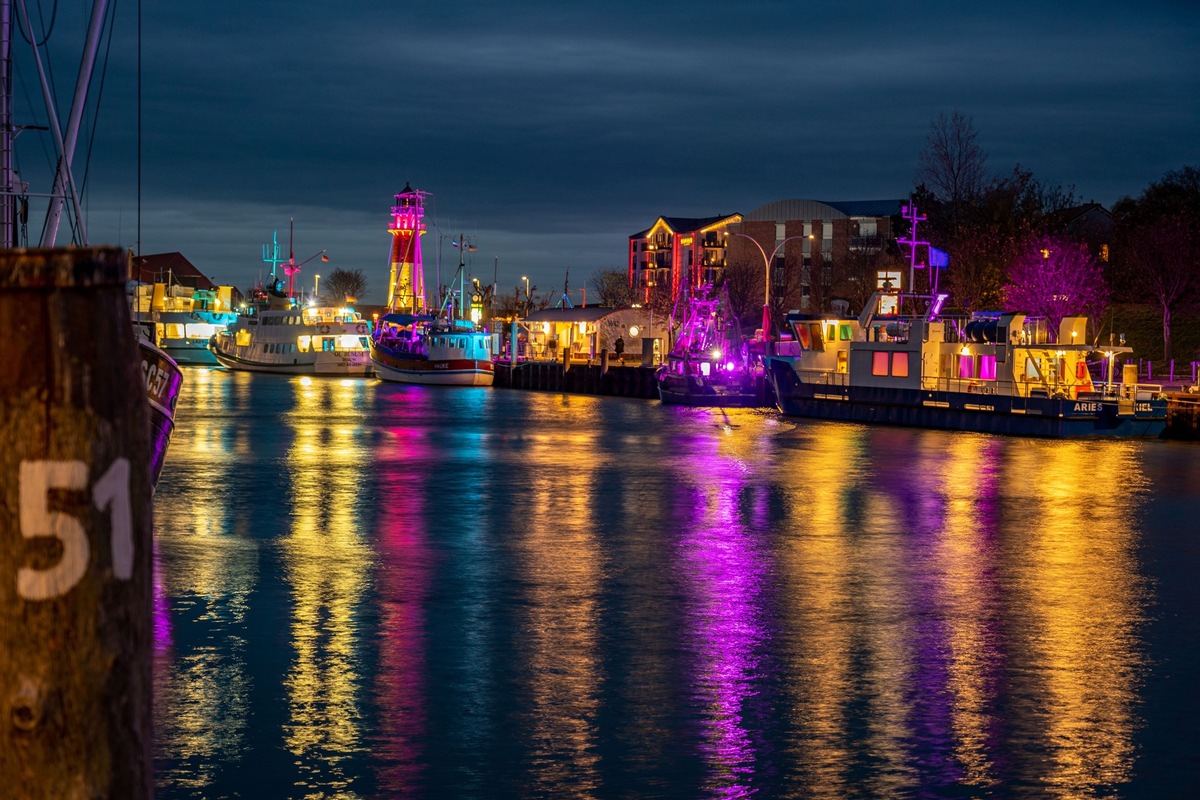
(286, 339)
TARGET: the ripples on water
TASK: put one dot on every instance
(371, 590)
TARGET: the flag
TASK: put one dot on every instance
(938, 258)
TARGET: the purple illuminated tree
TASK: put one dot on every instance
(1055, 278)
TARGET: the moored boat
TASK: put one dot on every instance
(410, 344)
(164, 380)
(283, 338)
(182, 320)
(708, 365)
(996, 372)
(425, 350)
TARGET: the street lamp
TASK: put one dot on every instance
(316, 284)
(526, 279)
(767, 261)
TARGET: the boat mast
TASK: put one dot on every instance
(406, 283)
(64, 181)
(8, 207)
(909, 212)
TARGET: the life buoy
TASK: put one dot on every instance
(362, 328)
(324, 329)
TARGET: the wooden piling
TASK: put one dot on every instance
(75, 565)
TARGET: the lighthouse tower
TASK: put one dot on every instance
(406, 290)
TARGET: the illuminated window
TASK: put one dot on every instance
(844, 333)
(842, 363)
(987, 368)
(879, 363)
(900, 365)
(966, 366)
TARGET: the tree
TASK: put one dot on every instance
(1157, 247)
(342, 284)
(612, 288)
(953, 165)
(1055, 278)
(743, 286)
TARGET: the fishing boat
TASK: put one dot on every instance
(181, 320)
(993, 372)
(164, 380)
(708, 365)
(412, 344)
(278, 336)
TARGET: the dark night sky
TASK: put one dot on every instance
(551, 131)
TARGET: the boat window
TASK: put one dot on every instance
(1033, 369)
(879, 363)
(966, 366)
(802, 332)
(844, 333)
(843, 361)
(900, 365)
(987, 367)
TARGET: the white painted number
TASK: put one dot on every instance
(111, 492)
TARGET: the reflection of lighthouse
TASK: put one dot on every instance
(406, 289)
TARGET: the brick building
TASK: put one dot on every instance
(818, 250)
(678, 249)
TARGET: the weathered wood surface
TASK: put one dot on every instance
(75, 531)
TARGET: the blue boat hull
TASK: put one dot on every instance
(961, 411)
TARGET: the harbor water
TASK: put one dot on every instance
(369, 590)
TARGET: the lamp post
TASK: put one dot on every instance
(526, 279)
(767, 261)
(316, 284)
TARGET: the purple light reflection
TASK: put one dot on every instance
(721, 561)
(404, 578)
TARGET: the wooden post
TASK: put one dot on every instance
(75, 527)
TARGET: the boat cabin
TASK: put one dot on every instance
(1006, 353)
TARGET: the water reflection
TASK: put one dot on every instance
(206, 570)
(528, 594)
(977, 596)
(326, 559)
(558, 557)
(1077, 587)
(405, 575)
(722, 564)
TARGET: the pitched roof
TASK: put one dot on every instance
(169, 268)
(684, 224)
(799, 208)
(578, 314)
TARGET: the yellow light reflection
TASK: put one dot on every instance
(559, 557)
(326, 560)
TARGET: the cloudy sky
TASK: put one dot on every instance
(548, 132)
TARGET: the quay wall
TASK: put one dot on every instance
(1183, 416)
(1183, 408)
(550, 376)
